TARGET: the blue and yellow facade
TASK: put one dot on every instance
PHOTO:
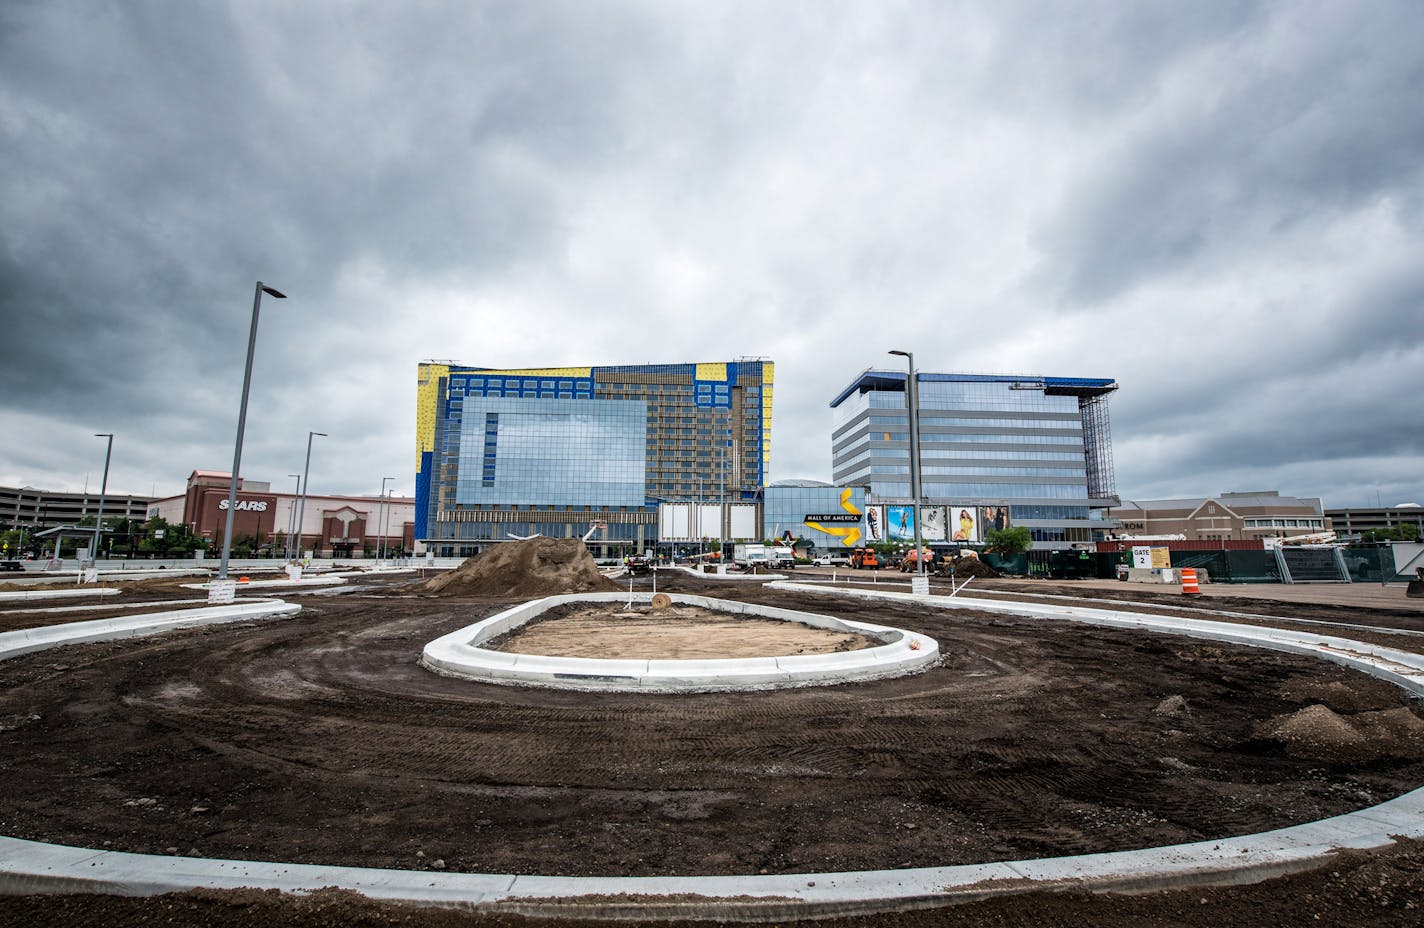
(507, 452)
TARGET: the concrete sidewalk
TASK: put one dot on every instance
(1366, 595)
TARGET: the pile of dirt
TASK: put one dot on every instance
(1361, 695)
(1319, 733)
(966, 567)
(532, 567)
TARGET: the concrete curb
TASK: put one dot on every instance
(1402, 668)
(330, 580)
(459, 654)
(32, 867)
(18, 596)
(28, 640)
(760, 578)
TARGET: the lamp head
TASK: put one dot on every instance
(271, 291)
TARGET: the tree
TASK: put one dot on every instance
(1009, 540)
(176, 539)
(15, 542)
(1401, 532)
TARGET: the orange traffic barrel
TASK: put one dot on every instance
(1189, 581)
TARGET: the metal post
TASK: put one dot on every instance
(381, 522)
(292, 515)
(103, 488)
(912, 402)
(302, 508)
(242, 423)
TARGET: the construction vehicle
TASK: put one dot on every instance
(1317, 538)
(909, 563)
(864, 558)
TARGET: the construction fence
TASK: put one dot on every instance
(1365, 564)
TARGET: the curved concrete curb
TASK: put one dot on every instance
(329, 580)
(31, 867)
(1402, 668)
(17, 596)
(459, 654)
(27, 640)
(760, 578)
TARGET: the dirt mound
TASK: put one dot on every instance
(965, 567)
(1318, 733)
(1360, 696)
(532, 567)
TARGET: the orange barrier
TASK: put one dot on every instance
(1189, 582)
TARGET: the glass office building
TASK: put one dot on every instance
(504, 453)
(1023, 450)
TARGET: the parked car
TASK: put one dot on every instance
(12, 566)
(831, 560)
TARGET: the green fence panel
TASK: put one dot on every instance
(1014, 565)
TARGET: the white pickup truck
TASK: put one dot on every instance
(831, 560)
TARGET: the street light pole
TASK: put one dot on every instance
(292, 515)
(381, 522)
(242, 422)
(103, 488)
(912, 403)
(302, 508)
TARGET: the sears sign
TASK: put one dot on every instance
(245, 505)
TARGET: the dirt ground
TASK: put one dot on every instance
(677, 632)
(319, 740)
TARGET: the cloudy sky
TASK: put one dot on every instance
(1221, 205)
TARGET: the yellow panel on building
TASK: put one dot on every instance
(712, 372)
(768, 375)
(426, 392)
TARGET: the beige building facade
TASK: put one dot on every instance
(1225, 517)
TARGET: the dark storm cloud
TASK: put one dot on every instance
(1298, 130)
(1002, 188)
(159, 157)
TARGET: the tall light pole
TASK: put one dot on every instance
(381, 522)
(103, 488)
(292, 514)
(912, 402)
(302, 508)
(242, 422)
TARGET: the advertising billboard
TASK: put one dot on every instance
(900, 523)
(993, 517)
(964, 523)
(874, 523)
(932, 524)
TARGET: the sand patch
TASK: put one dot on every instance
(675, 633)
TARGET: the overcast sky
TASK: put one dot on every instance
(1221, 205)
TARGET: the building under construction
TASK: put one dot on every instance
(503, 453)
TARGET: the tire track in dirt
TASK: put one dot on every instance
(1029, 739)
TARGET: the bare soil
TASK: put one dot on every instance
(319, 740)
(676, 632)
